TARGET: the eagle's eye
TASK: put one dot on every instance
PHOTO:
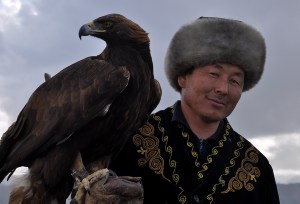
(107, 24)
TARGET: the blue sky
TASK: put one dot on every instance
(38, 36)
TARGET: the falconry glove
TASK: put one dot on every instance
(109, 189)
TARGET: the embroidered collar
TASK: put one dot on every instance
(179, 117)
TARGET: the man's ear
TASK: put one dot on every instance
(181, 81)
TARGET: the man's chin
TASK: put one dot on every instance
(214, 117)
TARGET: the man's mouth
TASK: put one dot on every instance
(220, 101)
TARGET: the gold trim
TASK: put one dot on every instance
(148, 145)
(190, 145)
(227, 169)
(246, 173)
(168, 149)
(149, 148)
(181, 198)
(214, 152)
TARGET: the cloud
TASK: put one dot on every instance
(12, 12)
(9, 13)
(265, 145)
(282, 151)
(286, 176)
(5, 122)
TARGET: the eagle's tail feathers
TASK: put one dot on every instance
(24, 191)
(21, 192)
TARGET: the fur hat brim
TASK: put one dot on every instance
(210, 40)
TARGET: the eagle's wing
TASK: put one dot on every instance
(156, 96)
(62, 105)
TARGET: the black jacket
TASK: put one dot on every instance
(165, 153)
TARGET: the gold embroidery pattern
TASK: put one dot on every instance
(149, 148)
(215, 151)
(168, 149)
(181, 198)
(172, 163)
(246, 174)
(189, 144)
(227, 169)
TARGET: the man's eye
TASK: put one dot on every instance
(213, 74)
(235, 82)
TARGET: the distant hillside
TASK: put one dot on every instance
(289, 193)
(4, 193)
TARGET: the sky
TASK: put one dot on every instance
(38, 36)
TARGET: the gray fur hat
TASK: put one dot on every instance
(210, 40)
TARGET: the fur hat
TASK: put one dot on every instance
(210, 40)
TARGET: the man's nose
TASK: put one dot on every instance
(221, 86)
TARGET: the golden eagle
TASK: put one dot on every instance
(85, 113)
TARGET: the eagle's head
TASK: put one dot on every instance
(115, 28)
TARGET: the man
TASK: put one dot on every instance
(189, 153)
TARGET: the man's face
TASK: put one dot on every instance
(211, 92)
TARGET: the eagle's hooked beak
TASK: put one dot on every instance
(89, 29)
(84, 30)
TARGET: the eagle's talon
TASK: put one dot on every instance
(86, 184)
(101, 175)
(108, 173)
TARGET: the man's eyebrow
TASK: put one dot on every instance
(240, 72)
(217, 65)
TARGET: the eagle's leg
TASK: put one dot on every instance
(99, 174)
(100, 170)
(100, 177)
(79, 171)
